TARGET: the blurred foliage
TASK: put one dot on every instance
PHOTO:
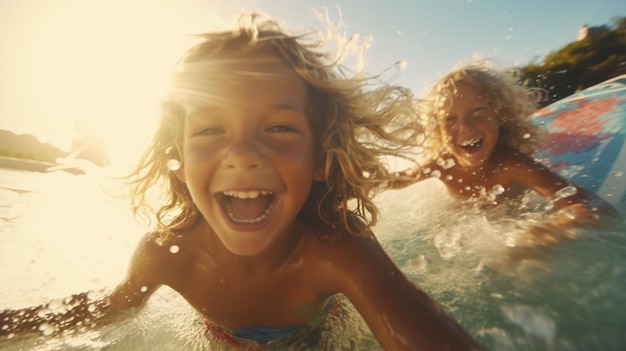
(28, 147)
(580, 64)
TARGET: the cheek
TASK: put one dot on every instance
(298, 154)
(196, 153)
(494, 129)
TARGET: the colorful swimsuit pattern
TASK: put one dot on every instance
(263, 337)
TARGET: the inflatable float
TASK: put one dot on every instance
(586, 139)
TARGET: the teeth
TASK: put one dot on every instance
(246, 194)
(470, 142)
(231, 215)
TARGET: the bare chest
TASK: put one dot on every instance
(488, 187)
(238, 299)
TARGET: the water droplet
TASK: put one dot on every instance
(564, 193)
(144, 288)
(436, 174)
(617, 174)
(173, 165)
(46, 329)
(42, 312)
(448, 177)
(91, 308)
(526, 136)
(420, 263)
(497, 189)
(445, 164)
(55, 304)
(402, 63)
(174, 249)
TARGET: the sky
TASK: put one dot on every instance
(68, 66)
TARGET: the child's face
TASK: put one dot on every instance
(470, 128)
(248, 157)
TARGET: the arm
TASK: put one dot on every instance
(401, 316)
(587, 207)
(88, 309)
(574, 206)
(57, 315)
(407, 177)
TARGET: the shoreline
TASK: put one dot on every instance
(23, 164)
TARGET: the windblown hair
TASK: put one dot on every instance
(513, 103)
(355, 122)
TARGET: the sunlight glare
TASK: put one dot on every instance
(96, 70)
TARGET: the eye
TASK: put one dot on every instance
(450, 119)
(209, 131)
(480, 111)
(281, 128)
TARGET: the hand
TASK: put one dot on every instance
(534, 241)
(545, 234)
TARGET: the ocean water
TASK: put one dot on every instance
(62, 234)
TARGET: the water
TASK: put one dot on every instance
(61, 234)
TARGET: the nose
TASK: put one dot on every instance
(244, 153)
(467, 123)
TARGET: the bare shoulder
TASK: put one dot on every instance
(509, 157)
(517, 166)
(353, 259)
(155, 245)
(160, 256)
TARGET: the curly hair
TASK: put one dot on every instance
(356, 121)
(513, 102)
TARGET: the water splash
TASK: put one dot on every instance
(564, 193)
(531, 320)
(446, 163)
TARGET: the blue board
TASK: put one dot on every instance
(586, 140)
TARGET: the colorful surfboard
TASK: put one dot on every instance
(586, 142)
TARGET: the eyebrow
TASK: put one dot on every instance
(216, 108)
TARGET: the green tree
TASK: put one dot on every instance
(580, 64)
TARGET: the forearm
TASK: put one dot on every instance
(559, 226)
(406, 318)
(78, 310)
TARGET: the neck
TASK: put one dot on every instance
(268, 261)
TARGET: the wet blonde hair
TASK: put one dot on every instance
(513, 103)
(355, 125)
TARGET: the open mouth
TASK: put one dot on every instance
(247, 207)
(471, 144)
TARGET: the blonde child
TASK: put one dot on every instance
(271, 156)
(479, 142)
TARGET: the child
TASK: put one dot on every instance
(271, 158)
(479, 140)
